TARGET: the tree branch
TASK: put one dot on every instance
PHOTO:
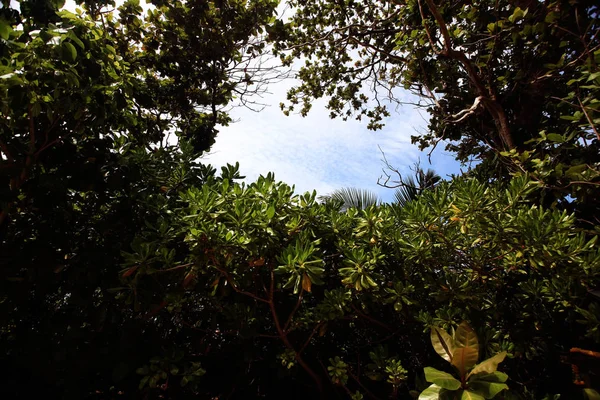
(283, 335)
(492, 106)
(289, 320)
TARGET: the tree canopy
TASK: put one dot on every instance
(130, 269)
(495, 76)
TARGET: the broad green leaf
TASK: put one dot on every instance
(576, 169)
(496, 376)
(468, 395)
(591, 394)
(270, 212)
(555, 137)
(75, 39)
(517, 15)
(464, 358)
(487, 389)
(442, 343)
(431, 393)
(490, 365)
(69, 51)
(442, 379)
(466, 352)
(143, 382)
(5, 29)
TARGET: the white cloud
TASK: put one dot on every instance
(317, 152)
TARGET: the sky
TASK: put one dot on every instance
(318, 153)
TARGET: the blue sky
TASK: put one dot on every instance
(319, 153)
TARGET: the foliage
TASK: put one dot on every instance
(475, 381)
(90, 103)
(353, 197)
(130, 269)
(269, 272)
(519, 77)
(410, 188)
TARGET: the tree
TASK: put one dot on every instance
(278, 284)
(87, 103)
(406, 189)
(130, 269)
(511, 83)
(351, 197)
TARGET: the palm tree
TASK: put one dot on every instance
(352, 198)
(412, 187)
(407, 190)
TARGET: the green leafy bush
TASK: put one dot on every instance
(280, 272)
(474, 381)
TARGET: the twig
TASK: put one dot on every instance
(237, 289)
(589, 119)
(289, 320)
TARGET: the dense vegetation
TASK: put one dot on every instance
(132, 270)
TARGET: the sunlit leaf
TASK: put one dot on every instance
(469, 395)
(442, 379)
(487, 389)
(442, 343)
(490, 365)
(464, 358)
(431, 393)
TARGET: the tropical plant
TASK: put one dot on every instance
(90, 101)
(291, 282)
(473, 381)
(410, 188)
(131, 270)
(351, 197)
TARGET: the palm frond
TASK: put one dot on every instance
(406, 193)
(353, 198)
(412, 187)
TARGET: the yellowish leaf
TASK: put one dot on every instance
(306, 283)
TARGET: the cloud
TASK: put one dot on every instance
(317, 152)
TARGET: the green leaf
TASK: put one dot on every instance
(466, 337)
(5, 29)
(591, 394)
(69, 52)
(442, 343)
(488, 389)
(490, 365)
(517, 15)
(75, 39)
(143, 370)
(143, 382)
(575, 170)
(555, 137)
(270, 212)
(593, 76)
(468, 395)
(442, 379)
(431, 393)
(493, 377)
(466, 352)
